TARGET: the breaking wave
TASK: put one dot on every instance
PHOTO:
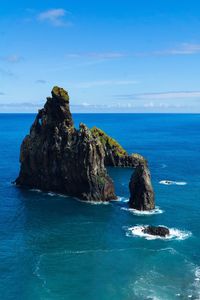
(136, 212)
(171, 182)
(122, 199)
(36, 190)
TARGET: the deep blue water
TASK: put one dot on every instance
(57, 248)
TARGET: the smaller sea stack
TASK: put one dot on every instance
(141, 190)
(156, 230)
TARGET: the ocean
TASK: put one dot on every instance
(58, 248)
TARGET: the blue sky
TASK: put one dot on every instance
(112, 56)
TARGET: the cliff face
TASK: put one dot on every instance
(141, 190)
(57, 157)
(115, 155)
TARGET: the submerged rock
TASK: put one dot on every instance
(115, 154)
(156, 230)
(141, 190)
(57, 157)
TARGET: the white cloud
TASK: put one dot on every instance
(42, 81)
(96, 55)
(171, 95)
(6, 73)
(150, 106)
(14, 58)
(90, 84)
(21, 107)
(164, 105)
(85, 104)
(20, 104)
(162, 95)
(183, 49)
(55, 17)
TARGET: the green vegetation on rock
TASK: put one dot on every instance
(108, 142)
(101, 181)
(58, 92)
(139, 157)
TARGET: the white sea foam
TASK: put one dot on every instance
(197, 274)
(122, 199)
(93, 202)
(136, 212)
(196, 284)
(171, 182)
(163, 166)
(39, 276)
(175, 234)
(153, 298)
(52, 194)
(98, 202)
(36, 190)
(62, 195)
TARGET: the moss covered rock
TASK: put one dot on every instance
(115, 154)
(60, 93)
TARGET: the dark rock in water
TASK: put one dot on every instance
(141, 190)
(156, 230)
(57, 157)
(115, 155)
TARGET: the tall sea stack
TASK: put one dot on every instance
(57, 157)
(141, 190)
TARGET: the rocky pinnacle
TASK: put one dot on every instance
(141, 190)
(57, 157)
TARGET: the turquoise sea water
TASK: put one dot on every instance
(58, 248)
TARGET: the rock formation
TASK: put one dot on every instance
(141, 190)
(156, 230)
(57, 157)
(115, 155)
